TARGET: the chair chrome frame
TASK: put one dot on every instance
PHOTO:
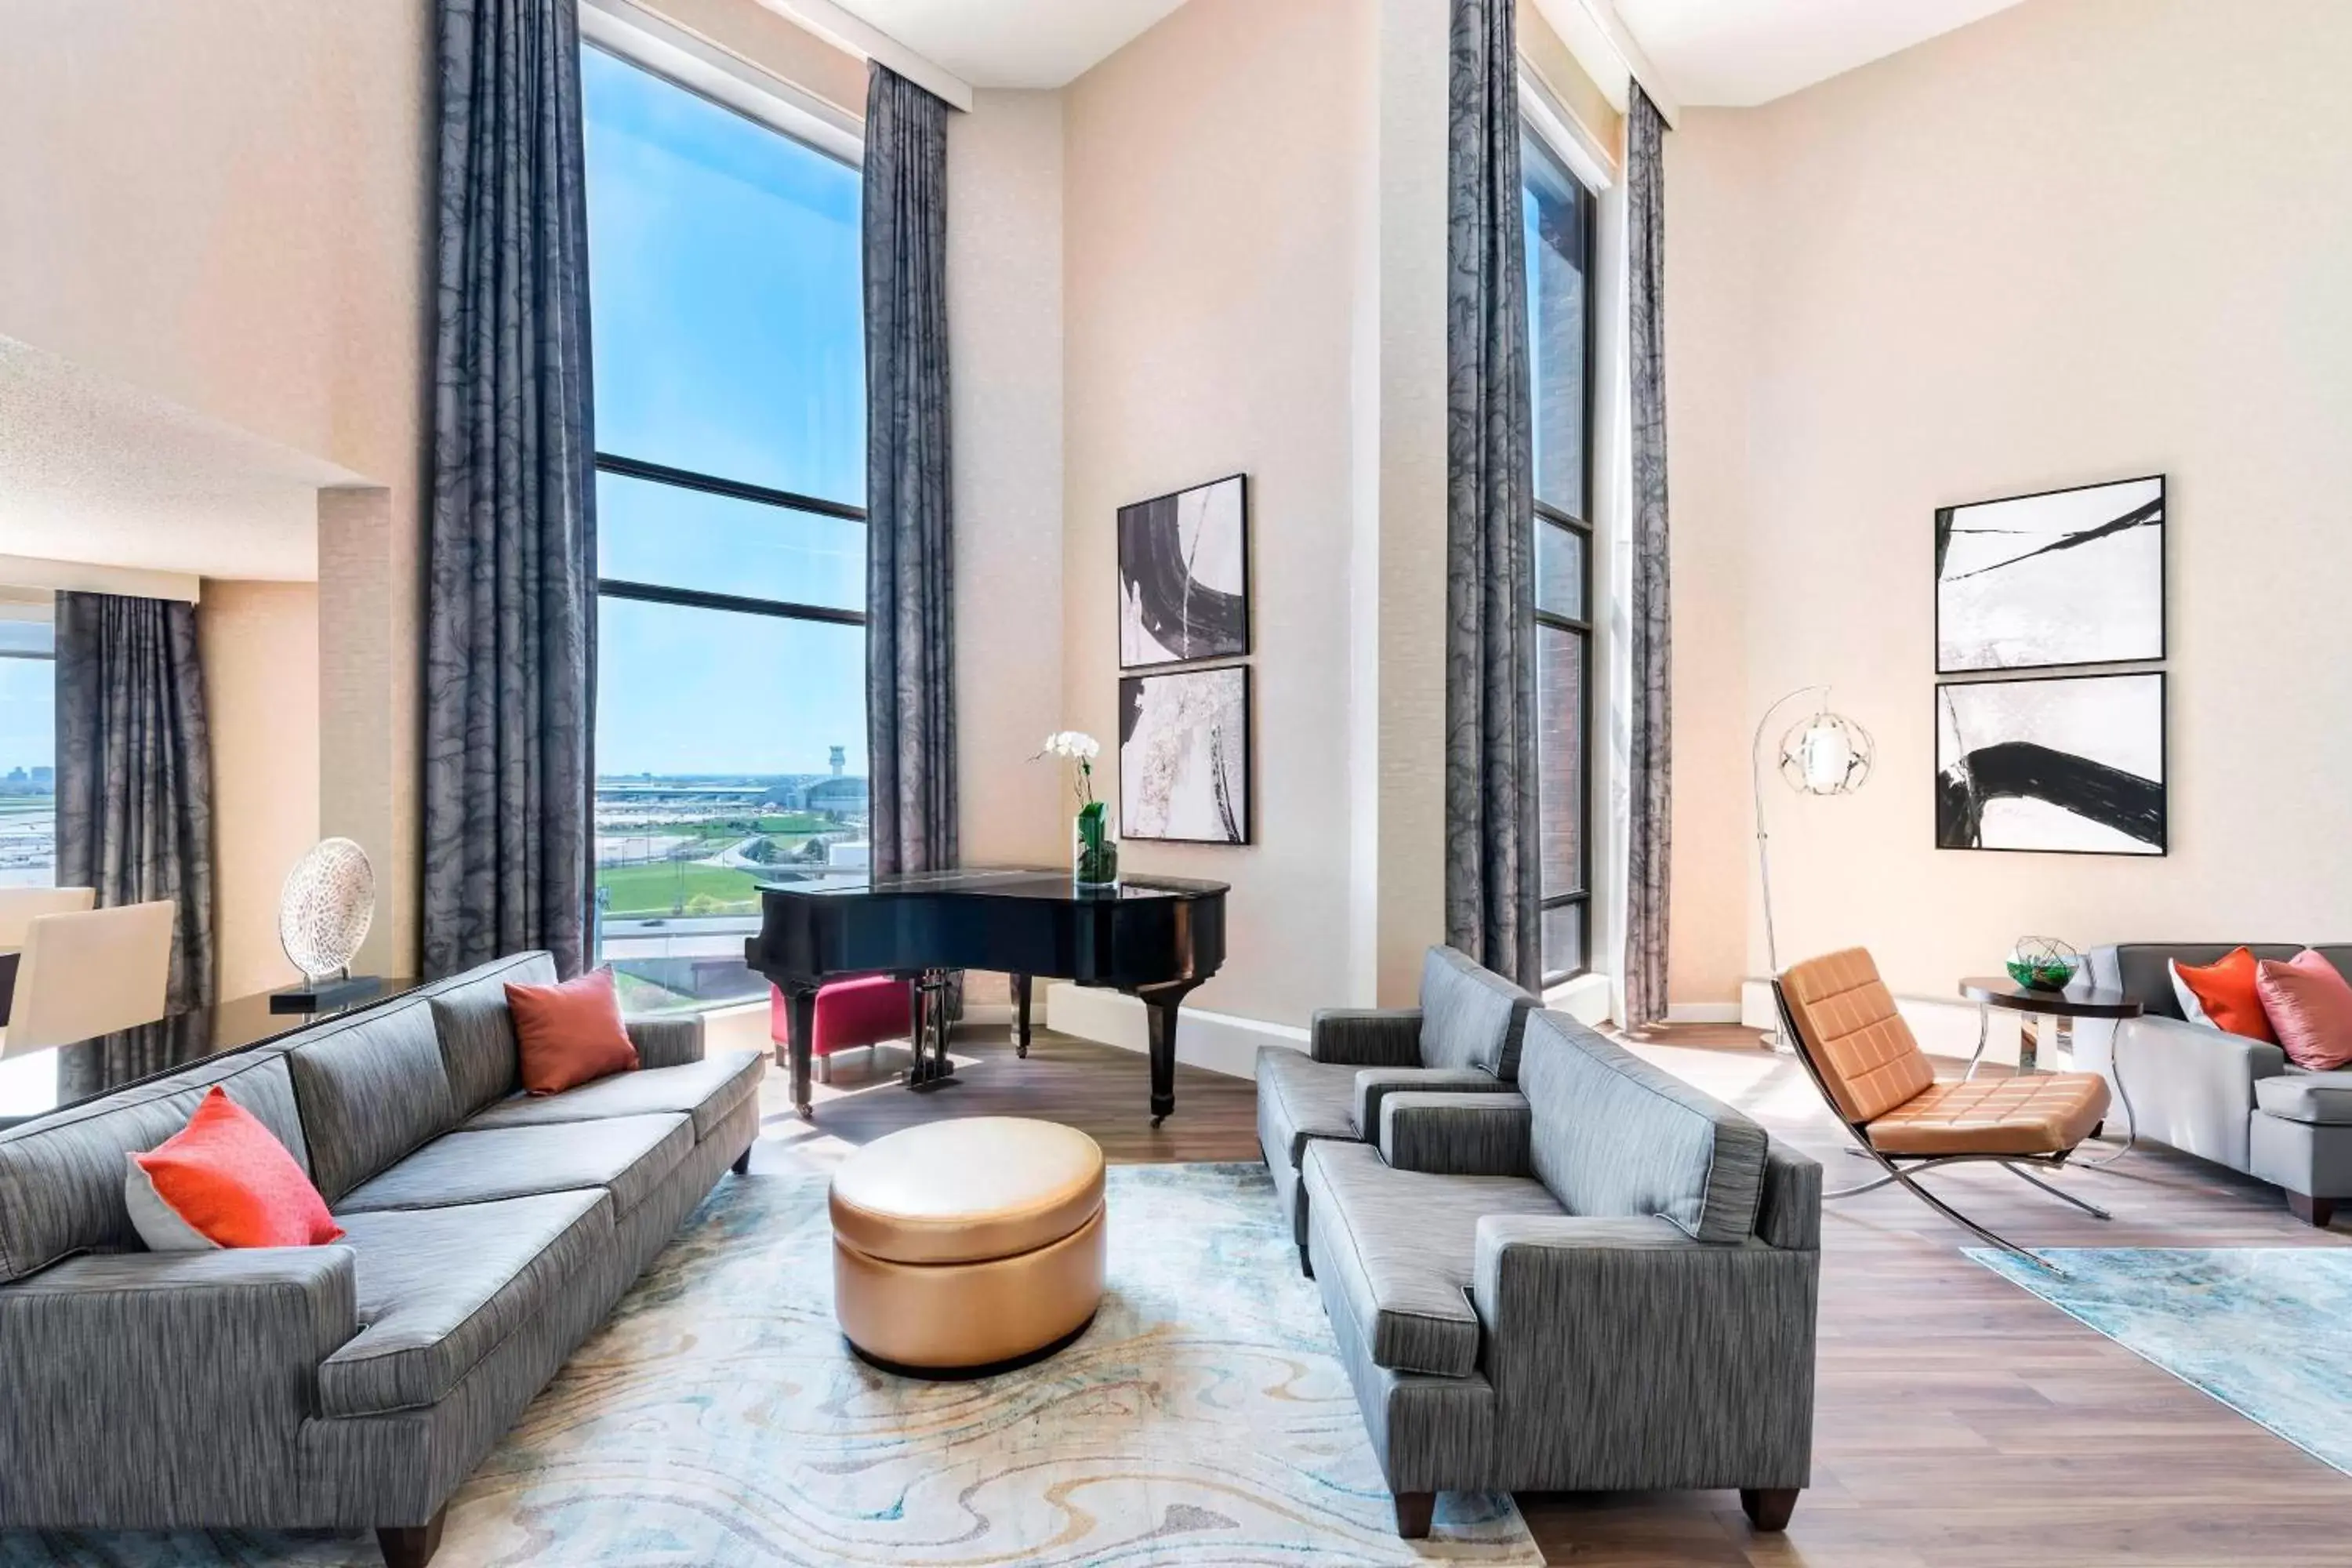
(1905, 1169)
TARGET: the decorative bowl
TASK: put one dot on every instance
(2044, 964)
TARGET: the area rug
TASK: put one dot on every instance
(718, 1419)
(2265, 1330)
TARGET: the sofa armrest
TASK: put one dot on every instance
(151, 1388)
(1456, 1135)
(2191, 1086)
(1366, 1037)
(1374, 1085)
(666, 1040)
(1625, 1355)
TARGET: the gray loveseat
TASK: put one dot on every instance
(1606, 1281)
(1463, 1038)
(2220, 1096)
(352, 1386)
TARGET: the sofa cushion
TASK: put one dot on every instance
(371, 1088)
(61, 1187)
(1374, 1085)
(439, 1288)
(1400, 1247)
(627, 1155)
(1299, 1099)
(1615, 1137)
(478, 1033)
(706, 1090)
(224, 1179)
(2321, 1097)
(1470, 1017)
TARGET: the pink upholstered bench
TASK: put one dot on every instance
(864, 1011)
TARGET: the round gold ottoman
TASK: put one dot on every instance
(962, 1247)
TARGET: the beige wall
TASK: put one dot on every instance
(1004, 322)
(1210, 231)
(2008, 259)
(225, 205)
(259, 645)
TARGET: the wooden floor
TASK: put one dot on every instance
(1961, 1423)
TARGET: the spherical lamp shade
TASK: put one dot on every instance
(1826, 754)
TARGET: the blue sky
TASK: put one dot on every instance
(725, 291)
(27, 701)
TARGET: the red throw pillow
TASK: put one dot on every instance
(2225, 988)
(224, 1180)
(2310, 1006)
(570, 1034)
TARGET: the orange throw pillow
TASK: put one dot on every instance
(224, 1180)
(570, 1034)
(2225, 989)
(2310, 1006)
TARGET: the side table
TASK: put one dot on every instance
(2060, 1009)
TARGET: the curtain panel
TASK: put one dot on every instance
(911, 550)
(1490, 748)
(510, 575)
(135, 769)
(1649, 850)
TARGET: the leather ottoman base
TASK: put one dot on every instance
(937, 1320)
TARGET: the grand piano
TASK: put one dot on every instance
(1154, 938)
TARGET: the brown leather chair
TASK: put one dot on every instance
(1863, 1057)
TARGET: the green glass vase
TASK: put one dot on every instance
(1093, 849)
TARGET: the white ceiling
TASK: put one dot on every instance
(97, 471)
(1744, 52)
(1013, 43)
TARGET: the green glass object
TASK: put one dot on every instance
(2044, 964)
(1094, 850)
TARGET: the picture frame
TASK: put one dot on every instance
(1184, 565)
(1186, 768)
(2067, 578)
(2076, 764)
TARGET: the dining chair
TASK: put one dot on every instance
(20, 906)
(88, 973)
(1863, 1056)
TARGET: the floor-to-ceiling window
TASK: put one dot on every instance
(28, 744)
(730, 433)
(1559, 215)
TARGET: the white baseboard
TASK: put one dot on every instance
(1217, 1041)
(1703, 1013)
(1590, 999)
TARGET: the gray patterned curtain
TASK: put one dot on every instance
(510, 611)
(911, 721)
(135, 769)
(1649, 831)
(1490, 753)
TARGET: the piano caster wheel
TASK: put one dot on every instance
(1021, 1051)
(805, 1112)
(1155, 1122)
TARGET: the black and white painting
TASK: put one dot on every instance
(2072, 576)
(2073, 764)
(1183, 756)
(1183, 576)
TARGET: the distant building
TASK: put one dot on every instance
(840, 760)
(837, 799)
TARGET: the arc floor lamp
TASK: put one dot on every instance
(1826, 754)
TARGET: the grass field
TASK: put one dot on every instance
(676, 887)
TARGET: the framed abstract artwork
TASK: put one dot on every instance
(1183, 576)
(1184, 755)
(2066, 577)
(2070, 764)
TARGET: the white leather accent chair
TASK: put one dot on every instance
(88, 973)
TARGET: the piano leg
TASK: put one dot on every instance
(1160, 1005)
(1019, 1014)
(800, 1028)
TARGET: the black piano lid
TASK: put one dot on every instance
(997, 882)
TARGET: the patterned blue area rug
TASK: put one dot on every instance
(2265, 1330)
(718, 1419)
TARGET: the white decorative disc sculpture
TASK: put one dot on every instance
(324, 913)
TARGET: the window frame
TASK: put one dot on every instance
(1546, 514)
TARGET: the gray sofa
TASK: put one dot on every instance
(352, 1386)
(1606, 1281)
(2220, 1096)
(1463, 1039)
